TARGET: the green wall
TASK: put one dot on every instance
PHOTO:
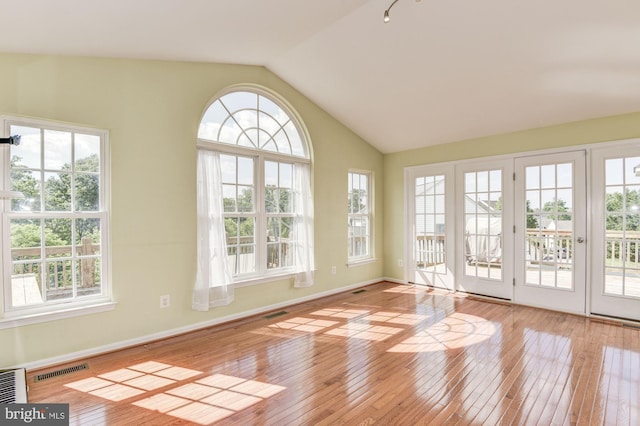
(152, 110)
(570, 134)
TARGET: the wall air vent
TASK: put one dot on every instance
(13, 386)
(275, 314)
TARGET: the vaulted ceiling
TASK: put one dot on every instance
(439, 71)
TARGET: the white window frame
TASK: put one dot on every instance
(262, 273)
(11, 316)
(369, 215)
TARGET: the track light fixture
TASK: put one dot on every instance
(386, 12)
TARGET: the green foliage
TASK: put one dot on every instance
(357, 202)
(623, 210)
(28, 235)
(559, 207)
(23, 181)
(532, 220)
(57, 195)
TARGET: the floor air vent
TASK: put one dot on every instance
(275, 314)
(358, 291)
(61, 372)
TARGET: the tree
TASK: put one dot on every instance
(532, 220)
(87, 197)
(618, 207)
(22, 180)
(357, 202)
(558, 209)
(27, 234)
(57, 195)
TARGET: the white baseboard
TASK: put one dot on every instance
(395, 280)
(192, 327)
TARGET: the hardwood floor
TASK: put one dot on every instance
(391, 355)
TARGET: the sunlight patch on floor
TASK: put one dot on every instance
(340, 313)
(203, 401)
(396, 318)
(304, 324)
(458, 330)
(365, 331)
(406, 289)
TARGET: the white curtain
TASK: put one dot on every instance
(303, 227)
(214, 283)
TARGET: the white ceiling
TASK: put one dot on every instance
(440, 71)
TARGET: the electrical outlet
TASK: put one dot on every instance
(333, 270)
(165, 301)
(400, 263)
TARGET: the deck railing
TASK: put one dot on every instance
(60, 269)
(545, 247)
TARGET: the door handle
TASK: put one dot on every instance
(580, 240)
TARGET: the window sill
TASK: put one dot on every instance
(361, 262)
(249, 281)
(12, 319)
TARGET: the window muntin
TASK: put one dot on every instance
(251, 120)
(55, 235)
(359, 215)
(248, 126)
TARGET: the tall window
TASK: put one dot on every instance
(264, 162)
(359, 215)
(54, 231)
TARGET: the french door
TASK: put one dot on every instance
(430, 206)
(616, 232)
(484, 246)
(550, 231)
(516, 229)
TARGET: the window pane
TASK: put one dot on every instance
(88, 276)
(271, 173)
(57, 191)
(57, 237)
(87, 153)
(27, 154)
(87, 192)
(245, 199)
(57, 150)
(228, 166)
(59, 280)
(245, 171)
(27, 182)
(87, 237)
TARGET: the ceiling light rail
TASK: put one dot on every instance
(387, 18)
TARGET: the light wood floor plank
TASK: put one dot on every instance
(392, 355)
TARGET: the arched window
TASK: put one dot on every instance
(254, 169)
(252, 120)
